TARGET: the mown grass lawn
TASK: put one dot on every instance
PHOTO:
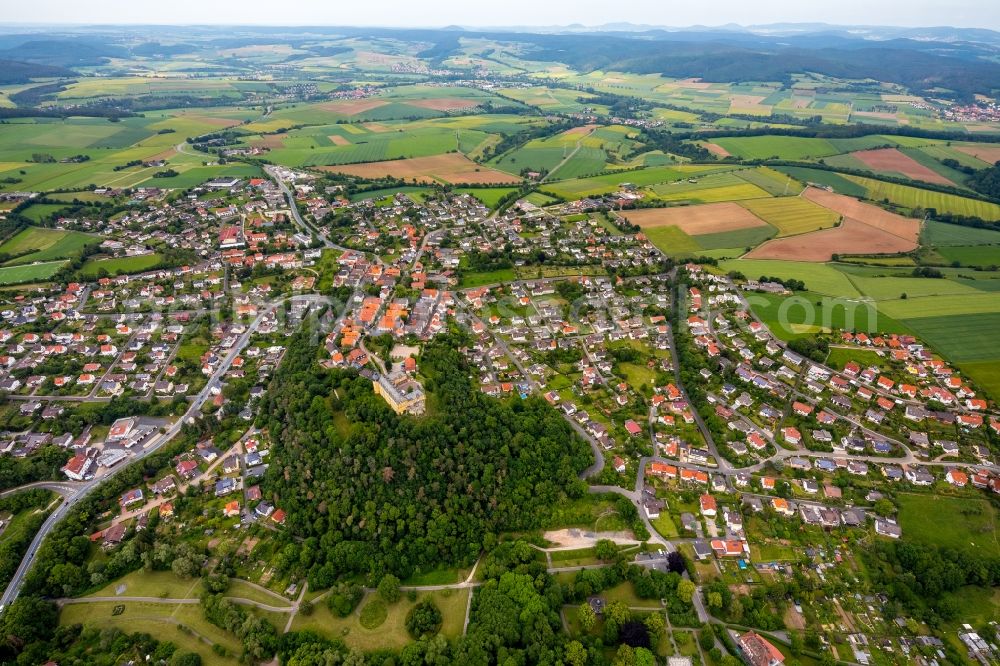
(664, 524)
(30, 272)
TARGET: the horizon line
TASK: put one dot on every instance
(509, 27)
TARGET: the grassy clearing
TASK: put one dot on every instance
(966, 523)
(771, 552)
(741, 238)
(792, 215)
(30, 272)
(540, 199)
(469, 280)
(143, 262)
(972, 255)
(626, 592)
(931, 306)
(887, 288)
(709, 189)
(39, 212)
(941, 234)
(773, 182)
(182, 624)
(820, 278)
(966, 338)
(780, 147)
(374, 613)
(48, 244)
(391, 632)
(160, 584)
(664, 524)
(441, 576)
(584, 187)
(841, 356)
(805, 314)
(985, 374)
(672, 241)
(489, 196)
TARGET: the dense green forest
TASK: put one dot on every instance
(383, 493)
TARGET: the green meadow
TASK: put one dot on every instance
(143, 262)
(47, 244)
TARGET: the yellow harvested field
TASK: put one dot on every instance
(697, 220)
(792, 215)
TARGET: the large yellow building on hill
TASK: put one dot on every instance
(404, 395)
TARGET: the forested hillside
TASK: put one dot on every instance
(386, 493)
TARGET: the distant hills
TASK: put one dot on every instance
(941, 61)
(13, 71)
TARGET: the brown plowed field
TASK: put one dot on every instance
(904, 227)
(716, 149)
(990, 154)
(450, 167)
(581, 130)
(891, 160)
(443, 103)
(866, 229)
(851, 237)
(350, 107)
(696, 220)
(272, 141)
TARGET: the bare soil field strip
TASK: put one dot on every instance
(581, 130)
(350, 107)
(339, 140)
(443, 103)
(451, 167)
(906, 228)
(716, 149)
(272, 141)
(697, 84)
(746, 100)
(851, 237)
(214, 121)
(881, 115)
(890, 159)
(989, 154)
(696, 220)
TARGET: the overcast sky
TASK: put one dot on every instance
(964, 13)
